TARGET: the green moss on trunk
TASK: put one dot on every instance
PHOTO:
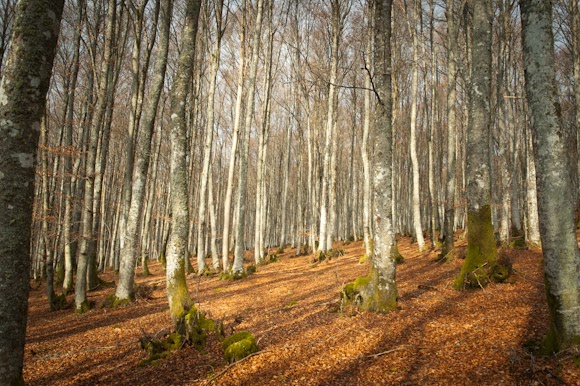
(146, 268)
(367, 293)
(480, 267)
(84, 307)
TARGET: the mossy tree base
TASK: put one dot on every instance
(58, 302)
(229, 276)
(84, 307)
(145, 272)
(239, 346)
(113, 301)
(480, 266)
(365, 293)
(192, 329)
(319, 256)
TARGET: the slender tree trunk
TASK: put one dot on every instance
(329, 134)
(479, 265)
(25, 81)
(554, 180)
(207, 152)
(262, 144)
(449, 221)
(413, 140)
(367, 207)
(88, 241)
(247, 129)
(68, 166)
(533, 225)
(129, 256)
(232, 164)
(177, 294)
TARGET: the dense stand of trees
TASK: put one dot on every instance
(192, 130)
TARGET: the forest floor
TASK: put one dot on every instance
(437, 336)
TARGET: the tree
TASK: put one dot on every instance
(237, 267)
(23, 89)
(177, 294)
(129, 251)
(553, 178)
(413, 140)
(449, 221)
(379, 290)
(480, 262)
(89, 243)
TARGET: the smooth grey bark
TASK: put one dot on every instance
(449, 218)
(533, 224)
(88, 237)
(237, 266)
(177, 294)
(128, 257)
(260, 216)
(481, 249)
(554, 180)
(207, 151)
(233, 152)
(367, 207)
(323, 238)
(23, 88)
(67, 284)
(381, 294)
(413, 138)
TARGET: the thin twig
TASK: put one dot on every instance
(400, 348)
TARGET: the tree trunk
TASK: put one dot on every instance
(326, 176)
(177, 294)
(25, 81)
(232, 164)
(381, 292)
(480, 261)
(129, 256)
(554, 180)
(247, 129)
(413, 139)
(449, 221)
(88, 241)
(207, 152)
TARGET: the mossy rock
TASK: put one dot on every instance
(273, 258)
(159, 349)
(251, 269)
(239, 346)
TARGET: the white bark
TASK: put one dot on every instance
(237, 267)
(413, 138)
